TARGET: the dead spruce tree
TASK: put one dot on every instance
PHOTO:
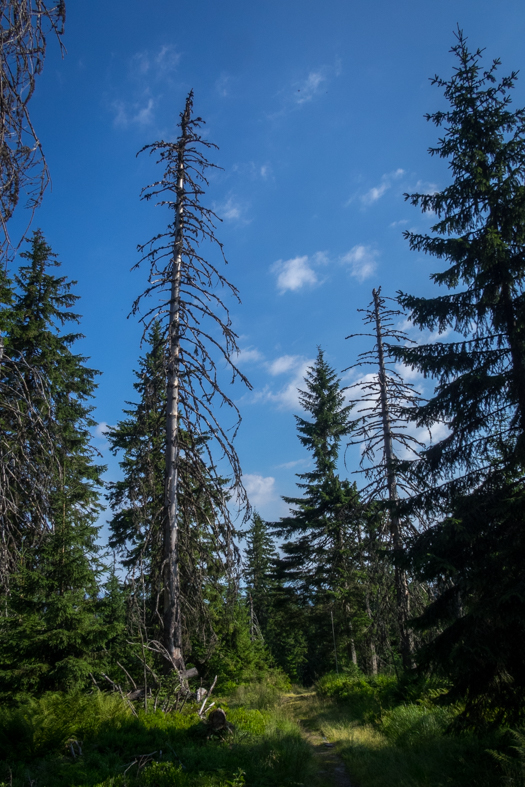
(196, 328)
(25, 25)
(381, 428)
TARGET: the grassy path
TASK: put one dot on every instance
(329, 768)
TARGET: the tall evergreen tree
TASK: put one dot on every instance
(52, 624)
(319, 551)
(475, 474)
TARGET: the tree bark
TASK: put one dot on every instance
(172, 606)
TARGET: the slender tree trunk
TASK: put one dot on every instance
(372, 653)
(401, 584)
(172, 603)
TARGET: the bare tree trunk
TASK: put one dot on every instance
(172, 601)
(401, 584)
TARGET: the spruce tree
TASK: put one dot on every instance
(52, 629)
(319, 552)
(259, 563)
(474, 475)
(138, 505)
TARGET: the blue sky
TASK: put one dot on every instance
(317, 109)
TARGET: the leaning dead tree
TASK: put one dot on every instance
(382, 432)
(189, 291)
(25, 25)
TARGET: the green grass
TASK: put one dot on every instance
(265, 748)
(390, 737)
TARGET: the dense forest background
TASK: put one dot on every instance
(402, 563)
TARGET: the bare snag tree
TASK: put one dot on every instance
(381, 429)
(197, 330)
(25, 25)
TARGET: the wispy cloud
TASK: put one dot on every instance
(307, 88)
(232, 209)
(249, 355)
(148, 71)
(311, 86)
(361, 261)
(133, 114)
(253, 170)
(157, 64)
(294, 463)
(286, 397)
(376, 192)
(222, 85)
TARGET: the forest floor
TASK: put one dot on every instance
(408, 745)
(328, 767)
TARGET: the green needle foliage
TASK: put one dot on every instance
(476, 552)
(52, 633)
(260, 556)
(139, 517)
(319, 566)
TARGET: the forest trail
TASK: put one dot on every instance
(330, 770)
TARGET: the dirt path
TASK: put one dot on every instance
(329, 767)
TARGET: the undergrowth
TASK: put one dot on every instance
(401, 734)
(75, 740)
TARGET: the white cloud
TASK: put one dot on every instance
(166, 60)
(101, 428)
(376, 192)
(294, 274)
(136, 114)
(291, 465)
(310, 86)
(253, 170)
(284, 364)
(248, 355)
(399, 223)
(222, 85)
(157, 64)
(362, 262)
(287, 397)
(147, 70)
(231, 209)
(260, 489)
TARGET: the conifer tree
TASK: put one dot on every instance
(260, 556)
(52, 627)
(382, 430)
(319, 550)
(475, 474)
(138, 505)
(54, 386)
(196, 327)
